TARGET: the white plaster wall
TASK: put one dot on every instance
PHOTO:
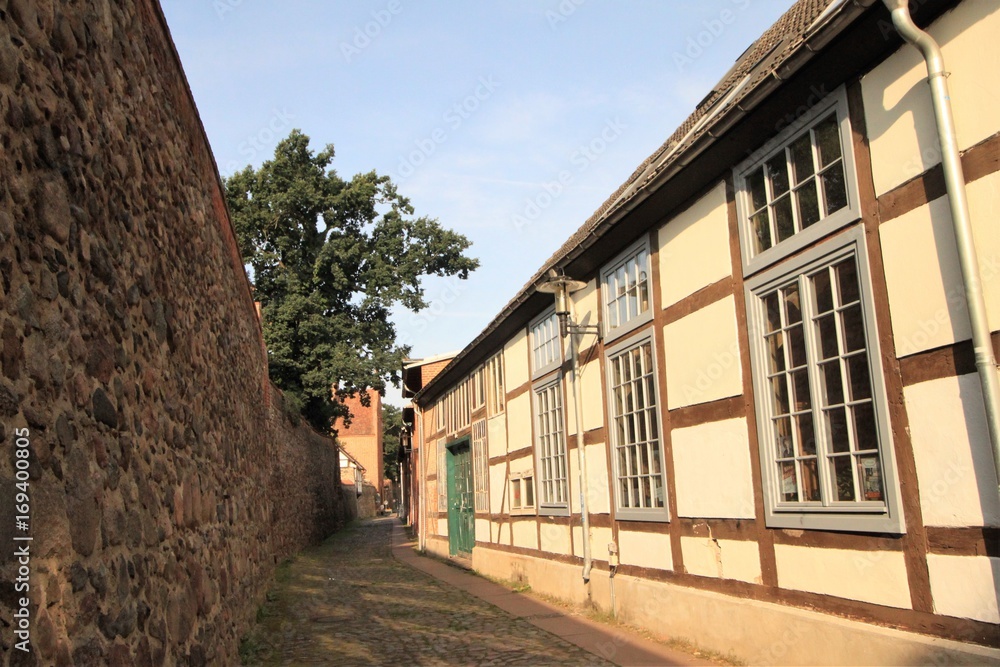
(703, 356)
(694, 247)
(499, 494)
(592, 397)
(519, 422)
(965, 586)
(723, 559)
(754, 632)
(525, 533)
(503, 534)
(712, 470)
(645, 549)
(871, 576)
(515, 359)
(585, 311)
(951, 447)
(599, 540)
(898, 110)
(598, 497)
(923, 276)
(482, 530)
(555, 538)
(496, 435)
(442, 527)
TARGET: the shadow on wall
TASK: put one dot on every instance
(362, 507)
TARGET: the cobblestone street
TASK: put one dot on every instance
(350, 602)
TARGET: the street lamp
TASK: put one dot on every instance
(561, 286)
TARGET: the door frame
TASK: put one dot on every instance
(454, 515)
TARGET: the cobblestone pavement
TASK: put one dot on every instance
(349, 602)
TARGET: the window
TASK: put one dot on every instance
(456, 408)
(478, 389)
(625, 286)
(550, 444)
(442, 477)
(522, 493)
(480, 466)
(462, 413)
(799, 187)
(825, 442)
(640, 482)
(495, 385)
(439, 412)
(546, 347)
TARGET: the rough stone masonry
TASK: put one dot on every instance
(165, 477)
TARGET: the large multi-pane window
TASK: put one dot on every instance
(640, 484)
(825, 443)
(625, 286)
(546, 348)
(550, 445)
(799, 186)
(496, 396)
(478, 388)
(480, 466)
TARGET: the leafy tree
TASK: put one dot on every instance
(328, 259)
(392, 426)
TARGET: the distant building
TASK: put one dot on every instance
(362, 439)
(781, 418)
(352, 473)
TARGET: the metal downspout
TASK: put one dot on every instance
(951, 162)
(422, 501)
(581, 455)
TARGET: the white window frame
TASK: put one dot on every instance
(609, 272)
(496, 396)
(547, 321)
(636, 513)
(521, 482)
(836, 101)
(549, 506)
(860, 516)
(480, 467)
(463, 414)
(439, 413)
(478, 388)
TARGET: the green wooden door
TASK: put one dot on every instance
(461, 517)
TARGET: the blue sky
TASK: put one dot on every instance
(509, 121)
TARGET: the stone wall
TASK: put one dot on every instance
(166, 479)
(359, 507)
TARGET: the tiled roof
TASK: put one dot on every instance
(753, 67)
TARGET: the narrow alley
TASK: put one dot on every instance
(365, 597)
